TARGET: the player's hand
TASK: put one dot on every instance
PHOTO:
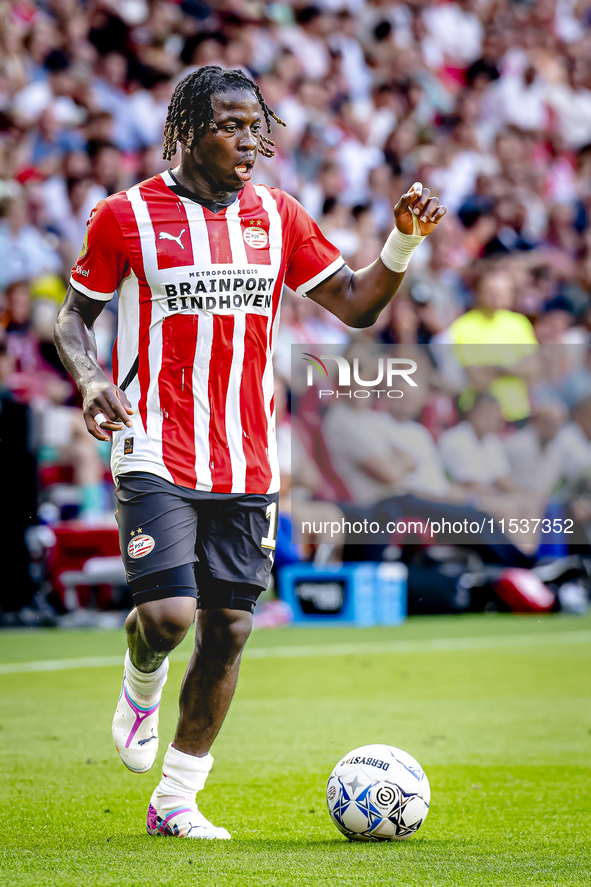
(104, 400)
(426, 209)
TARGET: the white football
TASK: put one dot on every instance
(378, 793)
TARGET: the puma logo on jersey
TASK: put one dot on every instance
(164, 235)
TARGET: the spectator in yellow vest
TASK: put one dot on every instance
(493, 344)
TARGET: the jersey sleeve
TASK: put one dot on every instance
(312, 258)
(103, 260)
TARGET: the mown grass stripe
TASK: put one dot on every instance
(435, 645)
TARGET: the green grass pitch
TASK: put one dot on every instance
(501, 723)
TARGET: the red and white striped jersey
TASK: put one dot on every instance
(199, 302)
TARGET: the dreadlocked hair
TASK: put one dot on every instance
(190, 112)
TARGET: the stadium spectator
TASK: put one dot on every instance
(492, 321)
(427, 478)
(454, 35)
(109, 94)
(501, 367)
(33, 378)
(363, 451)
(308, 41)
(106, 166)
(24, 250)
(83, 193)
(535, 463)
(474, 457)
(55, 91)
(472, 452)
(573, 442)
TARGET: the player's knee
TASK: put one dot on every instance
(163, 635)
(225, 631)
(165, 623)
(238, 628)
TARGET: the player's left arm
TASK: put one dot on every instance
(358, 297)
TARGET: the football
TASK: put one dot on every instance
(378, 793)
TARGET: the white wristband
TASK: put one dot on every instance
(399, 247)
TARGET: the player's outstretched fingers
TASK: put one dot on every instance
(429, 210)
(420, 204)
(431, 215)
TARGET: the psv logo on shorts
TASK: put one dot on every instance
(255, 237)
(140, 546)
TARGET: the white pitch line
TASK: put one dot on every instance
(435, 645)
(61, 664)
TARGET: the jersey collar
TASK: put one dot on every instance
(215, 206)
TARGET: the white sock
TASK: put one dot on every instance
(183, 775)
(145, 685)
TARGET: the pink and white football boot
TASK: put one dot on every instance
(180, 818)
(173, 811)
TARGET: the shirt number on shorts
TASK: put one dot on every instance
(270, 540)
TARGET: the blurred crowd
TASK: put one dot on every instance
(487, 102)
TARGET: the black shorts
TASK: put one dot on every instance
(226, 539)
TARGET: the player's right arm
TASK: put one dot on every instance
(101, 265)
(76, 345)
